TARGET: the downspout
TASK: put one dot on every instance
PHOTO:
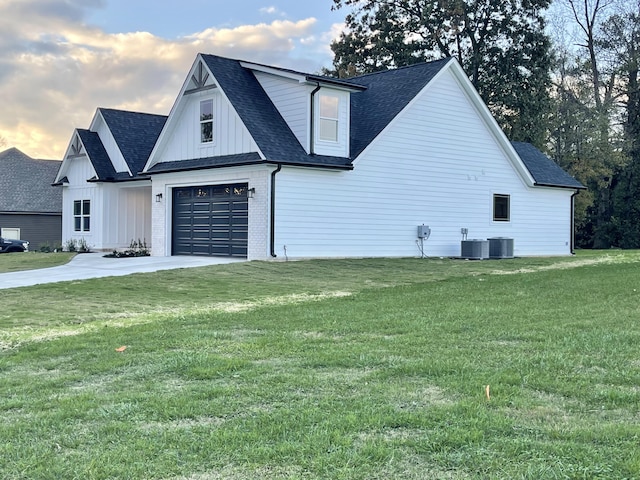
(273, 211)
(313, 116)
(573, 222)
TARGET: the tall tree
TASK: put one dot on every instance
(500, 44)
(622, 41)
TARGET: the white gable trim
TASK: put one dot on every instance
(483, 111)
(175, 112)
(108, 142)
(70, 155)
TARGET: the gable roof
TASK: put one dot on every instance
(544, 171)
(135, 134)
(375, 101)
(25, 184)
(97, 155)
(268, 129)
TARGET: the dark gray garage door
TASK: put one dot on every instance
(210, 220)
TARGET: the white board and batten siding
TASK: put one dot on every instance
(230, 136)
(437, 164)
(292, 99)
(77, 171)
(127, 214)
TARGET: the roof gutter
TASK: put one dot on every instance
(272, 232)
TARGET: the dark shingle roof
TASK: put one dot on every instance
(383, 95)
(387, 93)
(97, 154)
(544, 171)
(135, 133)
(25, 184)
(269, 130)
(252, 158)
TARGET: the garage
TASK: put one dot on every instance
(210, 220)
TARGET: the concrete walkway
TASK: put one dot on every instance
(95, 265)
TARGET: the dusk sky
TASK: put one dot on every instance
(62, 59)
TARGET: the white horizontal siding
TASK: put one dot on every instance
(292, 101)
(183, 141)
(438, 165)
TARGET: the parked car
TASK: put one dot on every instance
(10, 245)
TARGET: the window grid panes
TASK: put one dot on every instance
(206, 121)
(82, 215)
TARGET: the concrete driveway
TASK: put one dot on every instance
(94, 265)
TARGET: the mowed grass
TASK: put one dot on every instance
(14, 262)
(344, 369)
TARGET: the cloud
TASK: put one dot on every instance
(55, 69)
(269, 10)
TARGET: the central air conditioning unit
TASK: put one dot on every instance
(500, 247)
(475, 249)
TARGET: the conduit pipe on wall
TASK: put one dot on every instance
(272, 232)
(313, 117)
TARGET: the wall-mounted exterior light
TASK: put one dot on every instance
(158, 198)
(251, 192)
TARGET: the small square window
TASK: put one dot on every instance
(501, 208)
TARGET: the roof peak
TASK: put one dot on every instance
(119, 110)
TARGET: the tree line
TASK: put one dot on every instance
(566, 81)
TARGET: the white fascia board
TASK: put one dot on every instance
(491, 123)
(98, 117)
(303, 78)
(300, 77)
(67, 155)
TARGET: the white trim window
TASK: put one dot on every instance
(206, 121)
(329, 113)
(82, 215)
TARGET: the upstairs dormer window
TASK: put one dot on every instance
(206, 121)
(329, 110)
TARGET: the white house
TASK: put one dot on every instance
(105, 200)
(263, 162)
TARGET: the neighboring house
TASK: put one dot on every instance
(258, 162)
(30, 208)
(105, 199)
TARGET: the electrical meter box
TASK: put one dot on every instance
(423, 231)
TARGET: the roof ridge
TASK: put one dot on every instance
(404, 67)
(102, 109)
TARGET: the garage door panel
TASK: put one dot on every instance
(210, 220)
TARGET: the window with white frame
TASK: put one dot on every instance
(328, 125)
(82, 215)
(206, 121)
(501, 208)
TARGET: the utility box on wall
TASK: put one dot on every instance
(424, 231)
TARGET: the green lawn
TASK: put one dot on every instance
(342, 369)
(14, 262)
